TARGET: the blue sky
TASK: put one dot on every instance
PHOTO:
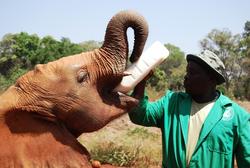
(182, 23)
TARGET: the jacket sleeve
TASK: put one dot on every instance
(243, 147)
(150, 113)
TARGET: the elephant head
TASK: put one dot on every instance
(77, 90)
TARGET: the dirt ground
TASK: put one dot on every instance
(245, 104)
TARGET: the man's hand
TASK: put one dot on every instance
(139, 90)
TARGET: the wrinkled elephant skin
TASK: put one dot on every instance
(44, 112)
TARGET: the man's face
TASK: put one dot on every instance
(197, 79)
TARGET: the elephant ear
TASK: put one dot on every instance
(116, 37)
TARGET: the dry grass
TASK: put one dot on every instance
(128, 139)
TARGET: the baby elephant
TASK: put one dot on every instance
(44, 112)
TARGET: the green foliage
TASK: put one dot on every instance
(6, 63)
(25, 48)
(90, 45)
(158, 80)
(246, 86)
(176, 58)
(234, 51)
(7, 58)
(177, 77)
(170, 73)
(51, 49)
(174, 68)
(6, 81)
(246, 33)
(245, 49)
(226, 46)
(114, 154)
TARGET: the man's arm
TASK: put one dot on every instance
(139, 90)
(147, 113)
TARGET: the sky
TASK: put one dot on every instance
(182, 23)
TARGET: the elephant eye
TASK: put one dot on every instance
(82, 76)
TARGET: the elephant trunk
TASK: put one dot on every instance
(116, 43)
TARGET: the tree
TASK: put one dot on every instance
(227, 47)
(51, 49)
(7, 57)
(170, 73)
(66, 47)
(90, 45)
(158, 81)
(174, 67)
(25, 48)
(245, 46)
(176, 58)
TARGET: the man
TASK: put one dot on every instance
(201, 127)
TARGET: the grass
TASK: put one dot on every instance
(122, 143)
(118, 155)
(142, 133)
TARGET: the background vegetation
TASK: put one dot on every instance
(134, 146)
(21, 52)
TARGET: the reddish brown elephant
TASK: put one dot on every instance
(44, 112)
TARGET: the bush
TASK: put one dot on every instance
(114, 154)
(8, 80)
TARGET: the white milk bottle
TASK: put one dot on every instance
(149, 59)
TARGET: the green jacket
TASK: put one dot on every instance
(225, 132)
